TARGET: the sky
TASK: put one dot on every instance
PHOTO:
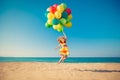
(95, 31)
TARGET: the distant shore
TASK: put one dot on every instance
(54, 71)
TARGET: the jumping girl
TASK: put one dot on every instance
(64, 51)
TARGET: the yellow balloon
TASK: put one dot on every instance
(70, 17)
(55, 27)
(50, 16)
(59, 26)
(58, 14)
(68, 25)
(60, 8)
(49, 21)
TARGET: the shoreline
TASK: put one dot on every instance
(68, 60)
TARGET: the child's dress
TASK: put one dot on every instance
(64, 50)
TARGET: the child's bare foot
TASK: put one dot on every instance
(58, 62)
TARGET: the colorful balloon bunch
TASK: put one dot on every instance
(58, 16)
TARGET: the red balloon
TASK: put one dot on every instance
(68, 11)
(53, 9)
(55, 5)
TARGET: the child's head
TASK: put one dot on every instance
(62, 39)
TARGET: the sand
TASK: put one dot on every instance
(54, 71)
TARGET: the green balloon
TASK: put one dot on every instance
(60, 29)
(63, 21)
(55, 21)
(67, 20)
(64, 5)
(48, 25)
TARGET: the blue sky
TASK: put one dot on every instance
(95, 31)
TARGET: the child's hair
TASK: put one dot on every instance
(62, 37)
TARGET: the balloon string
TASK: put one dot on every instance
(64, 34)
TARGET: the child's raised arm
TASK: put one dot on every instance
(57, 46)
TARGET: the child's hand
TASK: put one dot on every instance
(56, 48)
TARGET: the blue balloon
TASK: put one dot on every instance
(55, 21)
(64, 14)
(46, 13)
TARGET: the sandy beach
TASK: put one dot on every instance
(54, 71)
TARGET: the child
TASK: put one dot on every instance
(64, 52)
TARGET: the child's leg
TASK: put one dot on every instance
(64, 57)
(61, 59)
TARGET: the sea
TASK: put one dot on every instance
(68, 60)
